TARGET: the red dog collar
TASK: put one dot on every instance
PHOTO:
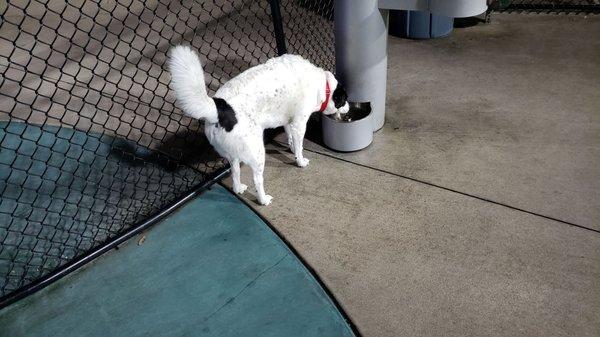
(327, 95)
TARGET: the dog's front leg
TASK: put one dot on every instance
(290, 138)
(298, 129)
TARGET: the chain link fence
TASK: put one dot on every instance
(308, 28)
(547, 6)
(92, 144)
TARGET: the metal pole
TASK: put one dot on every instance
(278, 27)
(361, 53)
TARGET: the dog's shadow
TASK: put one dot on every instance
(185, 149)
(282, 156)
(277, 147)
(191, 148)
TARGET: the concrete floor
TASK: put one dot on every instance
(498, 129)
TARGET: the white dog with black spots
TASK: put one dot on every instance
(284, 91)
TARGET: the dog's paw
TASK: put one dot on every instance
(240, 189)
(266, 200)
(302, 162)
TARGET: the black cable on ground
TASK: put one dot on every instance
(112, 243)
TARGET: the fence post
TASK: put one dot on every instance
(278, 27)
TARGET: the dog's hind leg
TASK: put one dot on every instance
(238, 187)
(298, 129)
(290, 138)
(257, 164)
(263, 198)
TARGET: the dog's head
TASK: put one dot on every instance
(338, 99)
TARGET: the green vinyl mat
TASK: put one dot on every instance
(212, 268)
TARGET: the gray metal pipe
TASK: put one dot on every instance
(452, 8)
(361, 53)
(361, 30)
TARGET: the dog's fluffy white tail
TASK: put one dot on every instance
(187, 81)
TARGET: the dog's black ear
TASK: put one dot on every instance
(339, 96)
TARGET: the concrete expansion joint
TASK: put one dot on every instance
(484, 199)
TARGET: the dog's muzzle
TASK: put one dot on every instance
(345, 108)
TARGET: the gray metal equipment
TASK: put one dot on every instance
(352, 133)
(419, 25)
(361, 30)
